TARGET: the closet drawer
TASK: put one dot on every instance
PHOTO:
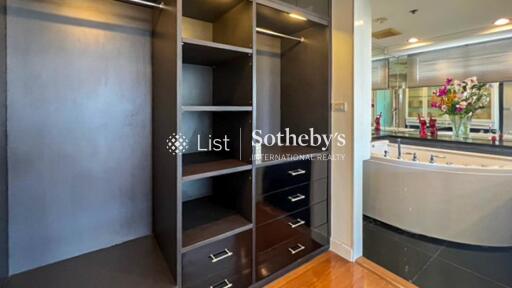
(277, 258)
(285, 175)
(281, 203)
(228, 259)
(291, 226)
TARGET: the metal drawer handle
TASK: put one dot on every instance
(224, 284)
(296, 198)
(297, 172)
(297, 224)
(221, 255)
(301, 247)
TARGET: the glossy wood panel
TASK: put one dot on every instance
(305, 221)
(281, 203)
(277, 177)
(273, 260)
(234, 254)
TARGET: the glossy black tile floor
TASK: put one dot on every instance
(432, 263)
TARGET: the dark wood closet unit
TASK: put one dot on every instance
(221, 218)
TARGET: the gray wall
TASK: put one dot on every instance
(3, 150)
(79, 124)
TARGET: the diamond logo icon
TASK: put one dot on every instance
(177, 143)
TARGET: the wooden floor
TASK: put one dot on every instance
(330, 270)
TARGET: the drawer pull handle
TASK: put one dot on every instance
(299, 222)
(296, 198)
(221, 255)
(297, 172)
(295, 251)
(224, 284)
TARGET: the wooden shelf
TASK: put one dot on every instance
(208, 164)
(216, 108)
(279, 21)
(206, 53)
(204, 222)
(207, 10)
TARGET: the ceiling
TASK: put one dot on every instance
(437, 21)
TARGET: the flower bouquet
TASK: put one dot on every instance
(460, 100)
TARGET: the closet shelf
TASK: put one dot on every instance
(209, 164)
(205, 222)
(216, 108)
(208, 53)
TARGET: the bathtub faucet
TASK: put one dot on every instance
(414, 156)
(433, 158)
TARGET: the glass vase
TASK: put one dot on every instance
(460, 126)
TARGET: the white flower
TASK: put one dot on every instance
(444, 108)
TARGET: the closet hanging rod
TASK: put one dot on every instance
(144, 3)
(272, 33)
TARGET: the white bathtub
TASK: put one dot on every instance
(463, 197)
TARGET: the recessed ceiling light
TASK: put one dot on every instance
(413, 40)
(502, 21)
(298, 17)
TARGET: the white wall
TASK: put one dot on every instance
(351, 84)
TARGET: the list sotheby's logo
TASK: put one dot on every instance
(178, 143)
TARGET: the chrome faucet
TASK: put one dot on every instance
(414, 156)
(399, 143)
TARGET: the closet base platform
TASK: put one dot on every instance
(133, 264)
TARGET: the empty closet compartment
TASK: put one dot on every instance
(226, 22)
(292, 73)
(216, 206)
(216, 78)
(218, 143)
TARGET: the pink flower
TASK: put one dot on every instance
(442, 92)
(463, 104)
(444, 108)
(449, 81)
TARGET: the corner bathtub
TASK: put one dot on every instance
(463, 197)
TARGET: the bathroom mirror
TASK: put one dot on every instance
(416, 48)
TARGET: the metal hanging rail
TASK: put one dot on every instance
(144, 3)
(272, 33)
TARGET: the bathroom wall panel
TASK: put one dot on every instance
(79, 122)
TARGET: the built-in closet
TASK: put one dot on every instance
(224, 214)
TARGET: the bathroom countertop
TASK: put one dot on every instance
(485, 146)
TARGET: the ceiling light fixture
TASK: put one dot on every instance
(298, 17)
(502, 21)
(413, 40)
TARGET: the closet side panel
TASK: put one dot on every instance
(3, 150)
(305, 82)
(79, 125)
(166, 199)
